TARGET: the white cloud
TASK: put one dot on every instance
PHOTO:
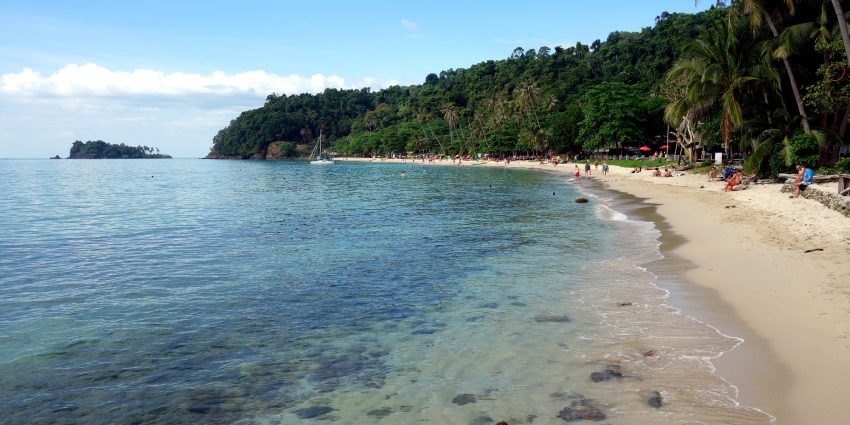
(413, 26)
(92, 80)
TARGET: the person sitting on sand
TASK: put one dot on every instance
(656, 172)
(668, 172)
(712, 175)
(733, 181)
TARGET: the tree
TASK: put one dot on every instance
(842, 26)
(759, 11)
(721, 66)
(612, 116)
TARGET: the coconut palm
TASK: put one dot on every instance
(450, 115)
(527, 99)
(842, 25)
(760, 12)
(722, 65)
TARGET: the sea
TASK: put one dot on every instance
(190, 291)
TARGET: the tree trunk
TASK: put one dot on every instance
(793, 80)
(842, 25)
(843, 130)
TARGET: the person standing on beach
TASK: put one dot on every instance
(596, 164)
(587, 168)
(578, 174)
(604, 168)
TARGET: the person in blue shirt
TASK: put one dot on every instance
(808, 178)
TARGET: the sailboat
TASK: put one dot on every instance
(317, 151)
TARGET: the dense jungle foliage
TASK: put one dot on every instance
(756, 78)
(98, 149)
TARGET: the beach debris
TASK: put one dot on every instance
(579, 410)
(701, 187)
(625, 304)
(812, 250)
(610, 372)
(731, 206)
(312, 412)
(649, 353)
(552, 319)
(654, 399)
(582, 200)
(380, 413)
(462, 399)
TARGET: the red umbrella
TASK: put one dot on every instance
(645, 148)
(663, 147)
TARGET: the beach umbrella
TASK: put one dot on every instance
(663, 147)
(645, 148)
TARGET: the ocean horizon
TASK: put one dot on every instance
(187, 291)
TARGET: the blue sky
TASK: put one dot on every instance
(171, 74)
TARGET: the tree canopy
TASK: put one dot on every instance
(732, 78)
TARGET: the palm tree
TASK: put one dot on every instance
(451, 118)
(527, 99)
(721, 66)
(763, 11)
(842, 25)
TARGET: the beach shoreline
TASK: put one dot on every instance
(747, 273)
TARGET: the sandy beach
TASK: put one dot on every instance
(750, 276)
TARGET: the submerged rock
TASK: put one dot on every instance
(384, 411)
(462, 399)
(610, 372)
(649, 353)
(582, 200)
(581, 410)
(655, 399)
(530, 418)
(312, 412)
(481, 420)
(552, 319)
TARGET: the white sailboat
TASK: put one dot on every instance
(317, 151)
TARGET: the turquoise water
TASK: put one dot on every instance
(191, 291)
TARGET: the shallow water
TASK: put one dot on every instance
(186, 291)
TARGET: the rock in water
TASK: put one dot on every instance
(610, 372)
(654, 399)
(312, 412)
(581, 410)
(582, 200)
(462, 399)
(552, 319)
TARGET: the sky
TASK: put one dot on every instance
(171, 74)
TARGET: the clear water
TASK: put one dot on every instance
(191, 291)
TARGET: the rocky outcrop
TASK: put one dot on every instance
(581, 410)
(832, 201)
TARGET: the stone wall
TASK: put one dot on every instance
(832, 201)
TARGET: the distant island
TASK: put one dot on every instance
(98, 149)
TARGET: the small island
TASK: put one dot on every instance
(98, 149)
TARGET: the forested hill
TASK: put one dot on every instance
(98, 149)
(537, 100)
